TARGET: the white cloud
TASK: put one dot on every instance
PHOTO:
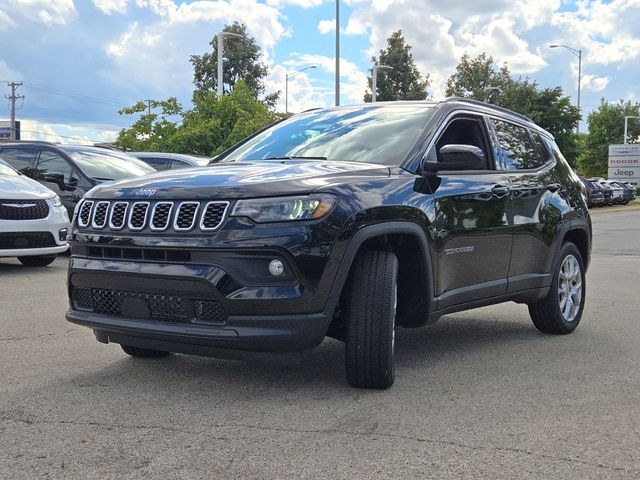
(594, 83)
(111, 6)
(297, 3)
(5, 20)
(156, 54)
(356, 79)
(8, 73)
(65, 133)
(49, 12)
(326, 26)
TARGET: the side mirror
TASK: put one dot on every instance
(56, 178)
(457, 157)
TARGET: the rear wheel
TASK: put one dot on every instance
(143, 352)
(37, 260)
(370, 313)
(561, 310)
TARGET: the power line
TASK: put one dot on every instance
(77, 96)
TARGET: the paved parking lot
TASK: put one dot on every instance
(479, 395)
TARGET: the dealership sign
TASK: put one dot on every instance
(5, 130)
(624, 163)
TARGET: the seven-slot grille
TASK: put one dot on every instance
(23, 209)
(136, 216)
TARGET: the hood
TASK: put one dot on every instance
(240, 180)
(22, 188)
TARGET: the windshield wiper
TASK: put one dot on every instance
(295, 157)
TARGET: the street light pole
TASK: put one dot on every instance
(577, 53)
(374, 80)
(626, 125)
(286, 85)
(337, 53)
(221, 36)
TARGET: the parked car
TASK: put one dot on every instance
(342, 222)
(71, 170)
(617, 193)
(33, 222)
(628, 191)
(607, 190)
(594, 191)
(171, 161)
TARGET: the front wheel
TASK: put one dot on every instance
(370, 313)
(37, 260)
(561, 310)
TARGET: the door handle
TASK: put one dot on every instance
(554, 187)
(500, 190)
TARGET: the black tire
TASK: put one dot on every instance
(547, 314)
(37, 260)
(143, 352)
(370, 311)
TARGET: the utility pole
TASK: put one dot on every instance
(148, 105)
(12, 98)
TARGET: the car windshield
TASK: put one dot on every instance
(380, 134)
(108, 165)
(5, 169)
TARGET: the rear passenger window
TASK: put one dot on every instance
(20, 158)
(157, 163)
(545, 153)
(175, 164)
(516, 150)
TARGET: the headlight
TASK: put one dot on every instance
(56, 201)
(285, 209)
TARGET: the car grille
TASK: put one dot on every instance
(23, 209)
(10, 241)
(159, 307)
(140, 216)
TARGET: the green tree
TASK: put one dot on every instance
(404, 81)
(243, 61)
(151, 131)
(477, 77)
(606, 127)
(480, 79)
(214, 124)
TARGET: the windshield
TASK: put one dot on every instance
(5, 169)
(361, 134)
(109, 165)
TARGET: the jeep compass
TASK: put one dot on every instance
(346, 222)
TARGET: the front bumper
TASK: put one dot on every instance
(159, 304)
(56, 224)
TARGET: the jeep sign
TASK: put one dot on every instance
(624, 163)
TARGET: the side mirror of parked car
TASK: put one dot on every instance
(457, 157)
(58, 179)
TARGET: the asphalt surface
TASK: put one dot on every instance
(480, 394)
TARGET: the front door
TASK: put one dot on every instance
(471, 228)
(52, 163)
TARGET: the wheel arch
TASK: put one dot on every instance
(405, 239)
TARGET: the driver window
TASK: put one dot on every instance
(464, 131)
(50, 162)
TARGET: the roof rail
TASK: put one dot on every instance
(489, 105)
(44, 142)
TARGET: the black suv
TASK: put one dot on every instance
(71, 170)
(343, 222)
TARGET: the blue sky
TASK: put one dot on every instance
(82, 60)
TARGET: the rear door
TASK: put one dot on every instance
(472, 231)
(537, 204)
(20, 158)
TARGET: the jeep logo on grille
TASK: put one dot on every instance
(146, 192)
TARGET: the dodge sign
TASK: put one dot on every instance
(624, 163)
